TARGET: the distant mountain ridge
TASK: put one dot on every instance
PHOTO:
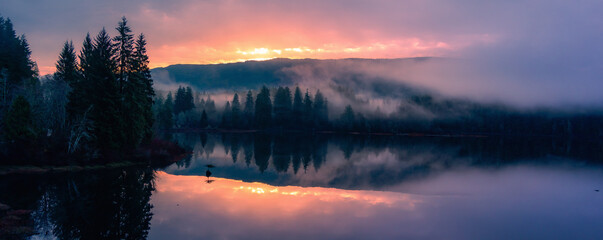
(247, 75)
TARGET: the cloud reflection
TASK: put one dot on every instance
(249, 207)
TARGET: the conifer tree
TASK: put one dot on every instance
(15, 63)
(124, 42)
(347, 118)
(82, 88)
(227, 116)
(67, 67)
(320, 110)
(249, 109)
(263, 109)
(106, 98)
(236, 111)
(166, 118)
(298, 107)
(143, 73)
(282, 106)
(204, 122)
(58, 89)
(307, 114)
(18, 121)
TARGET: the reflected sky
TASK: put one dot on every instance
(351, 188)
(520, 202)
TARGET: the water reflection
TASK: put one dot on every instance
(111, 204)
(519, 202)
(358, 162)
(329, 187)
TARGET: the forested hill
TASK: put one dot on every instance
(249, 74)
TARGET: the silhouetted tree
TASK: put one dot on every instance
(236, 112)
(18, 121)
(298, 107)
(282, 106)
(15, 63)
(320, 110)
(308, 107)
(249, 110)
(347, 118)
(227, 116)
(166, 119)
(263, 109)
(204, 122)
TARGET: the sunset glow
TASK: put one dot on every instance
(260, 196)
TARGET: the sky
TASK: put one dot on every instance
(546, 48)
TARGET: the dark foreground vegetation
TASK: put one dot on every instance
(95, 109)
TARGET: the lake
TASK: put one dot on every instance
(295, 186)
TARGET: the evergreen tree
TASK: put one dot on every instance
(180, 102)
(16, 66)
(143, 74)
(82, 88)
(347, 118)
(67, 67)
(106, 98)
(166, 118)
(227, 116)
(282, 106)
(18, 121)
(131, 86)
(210, 108)
(298, 107)
(57, 87)
(320, 110)
(307, 114)
(204, 122)
(263, 109)
(236, 111)
(189, 100)
(124, 42)
(249, 109)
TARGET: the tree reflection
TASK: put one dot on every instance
(262, 149)
(105, 205)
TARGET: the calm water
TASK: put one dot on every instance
(330, 187)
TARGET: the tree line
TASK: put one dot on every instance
(283, 110)
(98, 102)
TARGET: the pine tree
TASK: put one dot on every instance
(106, 98)
(227, 116)
(249, 109)
(18, 121)
(307, 114)
(204, 122)
(67, 68)
(166, 118)
(282, 106)
(189, 100)
(179, 101)
(124, 42)
(82, 86)
(16, 65)
(142, 71)
(236, 111)
(347, 118)
(263, 109)
(298, 107)
(320, 110)
(58, 88)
